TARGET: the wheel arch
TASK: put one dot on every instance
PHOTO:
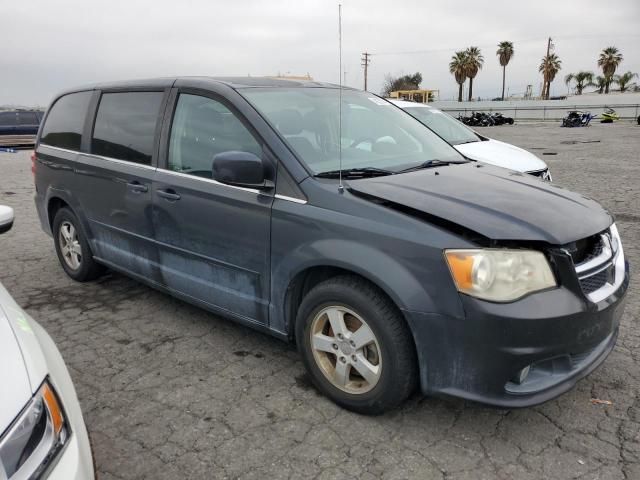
(55, 199)
(300, 269)
(310, 276)
(54, 204)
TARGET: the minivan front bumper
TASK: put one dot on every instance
(558, 335)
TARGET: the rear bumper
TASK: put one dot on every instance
(561, 336)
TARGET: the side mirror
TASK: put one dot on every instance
(242, 169)
(6, 218)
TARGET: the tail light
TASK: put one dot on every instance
(33, 163)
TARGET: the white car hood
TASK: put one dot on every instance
(22, 363)
(502, 155)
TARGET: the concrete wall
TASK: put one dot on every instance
(626, 104)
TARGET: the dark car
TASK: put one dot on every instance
(331, 218)
(19, 127)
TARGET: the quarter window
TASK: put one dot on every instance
(202, 128)
(125, 126)
(65, 121)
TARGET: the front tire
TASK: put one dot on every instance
(72, 247)
(356, 345)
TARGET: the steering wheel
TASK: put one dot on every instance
(360, 140)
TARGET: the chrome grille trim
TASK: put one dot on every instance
(611, 255)
(604, 257)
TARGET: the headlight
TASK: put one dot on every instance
(35, 438)
(499, 275)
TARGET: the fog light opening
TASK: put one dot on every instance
(522, 375)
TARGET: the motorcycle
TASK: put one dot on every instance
(481, 119)
(577, 118)
(500, 119)
(609, 116)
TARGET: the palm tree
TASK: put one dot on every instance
(457, 68)
(609, 60)
(504, 52)
(474, 63)
(582, 79)
(624, 80)
(549, 67)
(599, 82)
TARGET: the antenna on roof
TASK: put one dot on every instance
(340, 186)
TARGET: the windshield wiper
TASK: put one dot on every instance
(356, 172)
(430, 163)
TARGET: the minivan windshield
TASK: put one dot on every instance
(375, 134)
(444, 125)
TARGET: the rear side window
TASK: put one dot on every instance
(27, 118)
(65, 121)
(125, 126)
(8, 119)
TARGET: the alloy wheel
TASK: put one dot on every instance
(346, 350)
(70, 245)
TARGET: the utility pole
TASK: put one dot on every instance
(365, 63)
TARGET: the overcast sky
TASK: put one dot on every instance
(49, 45)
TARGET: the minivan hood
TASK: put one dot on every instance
(502, 154)
(14, 380)
(496, 203)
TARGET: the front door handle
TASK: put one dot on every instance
(169, 194)
(137, 187)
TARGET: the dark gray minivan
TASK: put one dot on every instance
(331, 218)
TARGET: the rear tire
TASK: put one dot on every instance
(356, 345)
(72, 247)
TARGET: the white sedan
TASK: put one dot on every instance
(473, 145)
(42, 432)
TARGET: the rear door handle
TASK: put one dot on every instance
(137, 187)
(169, 194)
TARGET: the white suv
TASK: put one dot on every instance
(473, 145)
(42, 432)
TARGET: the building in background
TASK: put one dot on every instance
(294, 77)
(418, 96)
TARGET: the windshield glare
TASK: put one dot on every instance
(444, 125)
(374, 132)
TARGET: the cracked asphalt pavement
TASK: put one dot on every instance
(170, 391)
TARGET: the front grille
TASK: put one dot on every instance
(538, 173)
(541, 174)
(594, 282)
(586, 249)
(599, 263)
